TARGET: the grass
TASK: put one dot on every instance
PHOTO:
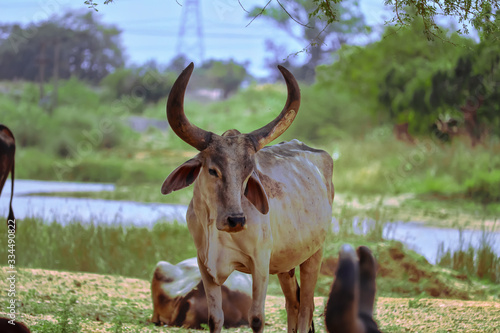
(481, 261)
(54, 301)
(134, 251)
(107, 249)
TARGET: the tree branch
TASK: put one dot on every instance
(259, 14)
(308, 45)
(246, 11)
(282, 7)
(397, 13)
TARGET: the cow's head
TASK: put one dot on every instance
(225, 165)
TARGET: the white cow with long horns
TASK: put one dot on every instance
(255, 209)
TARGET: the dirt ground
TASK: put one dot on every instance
(103, 303)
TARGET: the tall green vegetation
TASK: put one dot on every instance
(106, 249)
(471, 87)
(80, 122)
(392, 77)
(480, 261)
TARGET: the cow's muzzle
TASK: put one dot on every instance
(235, 223)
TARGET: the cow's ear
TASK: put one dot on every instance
(182, 177)
(255, 193)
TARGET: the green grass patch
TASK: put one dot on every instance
(106, 249)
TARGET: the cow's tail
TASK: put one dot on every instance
(11, 211)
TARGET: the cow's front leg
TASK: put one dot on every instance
(260, 279)
(214, 300)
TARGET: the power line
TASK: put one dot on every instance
(210, 35)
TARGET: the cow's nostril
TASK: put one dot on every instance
(236, 220)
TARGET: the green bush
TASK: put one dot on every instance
(331, 113)
(61, 132)
(76, 93)
(142, 85)
(89, 169)
(484, 186)
(32, 163)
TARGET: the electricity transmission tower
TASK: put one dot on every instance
(190, 37)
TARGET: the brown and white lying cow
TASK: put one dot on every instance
(350, 305)
(179, 297)
(7, 152)
(255, 209)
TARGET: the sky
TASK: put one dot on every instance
(150, 28)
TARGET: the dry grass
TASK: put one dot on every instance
(104, 303)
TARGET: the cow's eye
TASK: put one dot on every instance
(212, 172)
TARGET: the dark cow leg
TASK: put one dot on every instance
(341, 314)
(309, 271)
(7, 156)
(291, 290)
(367, 286)
(367, 275)
(15, 327)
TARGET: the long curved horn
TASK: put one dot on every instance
(188, 132)
(275, 128)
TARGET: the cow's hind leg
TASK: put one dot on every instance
(341, 313)
(291, 290)
(309, 271)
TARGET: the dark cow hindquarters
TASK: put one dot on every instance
(349, 307)
(7, 153)
(10, 326)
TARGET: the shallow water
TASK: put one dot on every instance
(64, 209)
(423, 239)
(426, 240)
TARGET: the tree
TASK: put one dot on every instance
(178, 64)
(64, 46)
(470, 87)
(319, 38)
(405, 87)
(388, 81)
(406, 12)
(226, 75)
(139, 84)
